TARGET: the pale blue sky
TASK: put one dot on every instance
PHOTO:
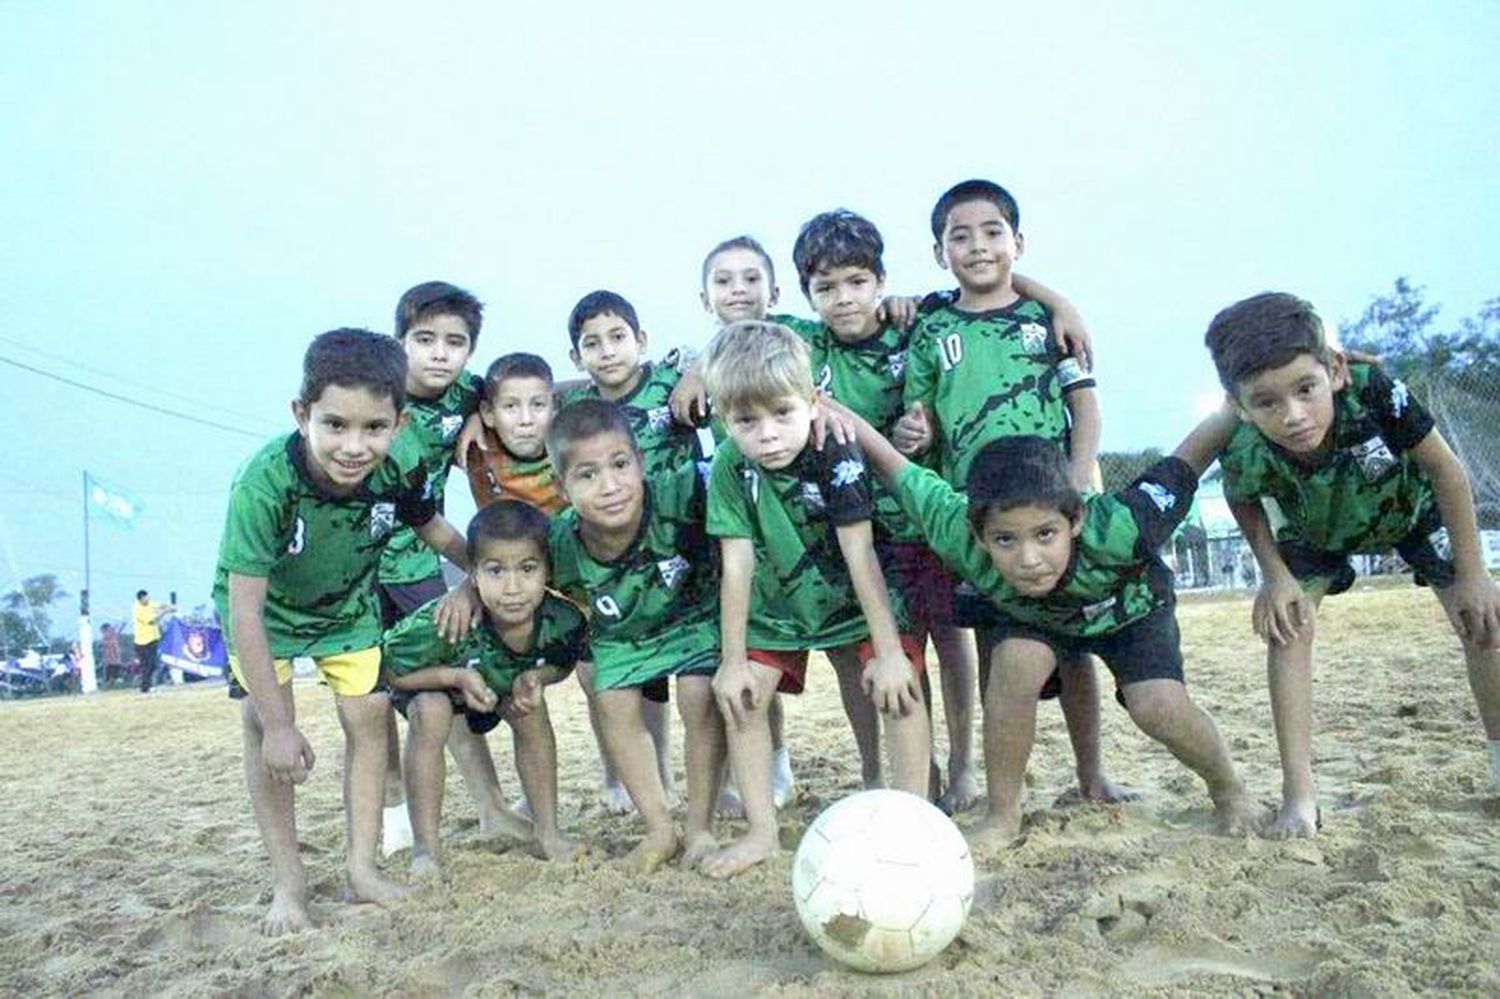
(191, 191)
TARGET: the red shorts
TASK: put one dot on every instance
(923, 581)
(793, 662)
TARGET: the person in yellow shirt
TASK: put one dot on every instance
(148, 634)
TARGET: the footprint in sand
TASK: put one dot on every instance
(1169, 963)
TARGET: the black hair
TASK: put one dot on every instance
(439, 298)
(1011, 472)
(507, 520)
(599, 303)
(140, 594)
(581, 420)
(740, 243)
(838, 238)
(515, 365)
(974, 190)
(354, 358)
(1264, 332)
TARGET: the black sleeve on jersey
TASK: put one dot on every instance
(844, 477)
(414, 507)
(1404, 421)
(1160, 500)
(936, 300)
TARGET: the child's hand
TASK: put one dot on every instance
(1473, 606)
(457, 612)
(1282, 610)
(892, 685)
(689, 400)
(912, 433)
(735, 689)
(472, 433)
(898, 311)
(1073, 336)
(477, 694)
(831, 420)
(286, 754)
(526, 692)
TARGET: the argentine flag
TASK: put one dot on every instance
(116, 504)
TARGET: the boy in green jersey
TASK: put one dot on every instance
(634, 553)
(800, 573)
(309, 516)
(528, 638)
(986, 364)
(1355, 464)
(1070, 575)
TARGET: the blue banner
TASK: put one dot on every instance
(196, 649)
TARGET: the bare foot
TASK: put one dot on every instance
(395, 830)
(287, 914)
(522, 808)
(1099, 790)
(730, 805)
(995, 832)
(697, 846)
(617, 800)
(370, 886)
(741, 855)
(653, 851)
(554, 846)
(1239, 814)
(1295, 820)
(783, 784)
(504, 823)
(425, 868)
(962, 794)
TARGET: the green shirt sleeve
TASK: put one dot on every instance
(941, 514)
(414, 644)
(255, 530)
(921, 368)
(729, 514)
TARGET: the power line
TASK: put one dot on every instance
(132, 402)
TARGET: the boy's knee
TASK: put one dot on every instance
(1156, 705)
(430, 712)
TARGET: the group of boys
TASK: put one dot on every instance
(892, 472)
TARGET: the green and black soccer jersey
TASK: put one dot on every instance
(665, 444)
(433, 425)
(654, 610)
(802, 597)
(1367, 494)
(869, 377)
(319, 552)
(558, 638)
(1116, 576)
(987, 375)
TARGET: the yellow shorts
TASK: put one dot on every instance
(348, 673)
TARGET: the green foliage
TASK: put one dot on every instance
(25, 621)
(1400, 326)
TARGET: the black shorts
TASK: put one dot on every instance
(1426, 549)
(397, 600)
(1147, 649)
(479, 722)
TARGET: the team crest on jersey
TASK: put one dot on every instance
(812, 497)
(659, 420)
(896, 364)
(672, 570)
(824, 380)
(1093, 612)
(382, 519)
(848, 472)
(1033, 338)
(1400, 398)
(1442, 546)
(299, 538)
(1374, 458)
(449, 427)
(1160, 495)
(752, 484)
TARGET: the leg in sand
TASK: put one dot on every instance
(704, 752)
(536, 760)
(471, 752)
(1289, 675)
(1080, 708)
(363, 718)
(629, 745)
(864, 720)
(1484, 680)
(750, 758)
(958, 673)
(273, 803)
(659, 723)
(1164, 711)
(909, 736)
(731, 806)
(1019, 668)
(395, 822)
(430, 714)
(616, 800)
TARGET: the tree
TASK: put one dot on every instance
(24, 619)
(1399, 326)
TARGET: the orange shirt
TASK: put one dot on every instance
(498, 474)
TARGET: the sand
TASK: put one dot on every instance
(131, 864)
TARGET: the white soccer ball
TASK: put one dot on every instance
(883, 881)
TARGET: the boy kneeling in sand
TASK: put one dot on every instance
(309, 515)
(1070, 575)
(527, 638)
